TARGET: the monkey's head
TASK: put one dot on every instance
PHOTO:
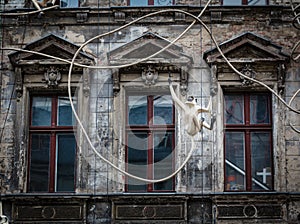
(191, 100)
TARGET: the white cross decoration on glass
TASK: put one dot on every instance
(264, 175)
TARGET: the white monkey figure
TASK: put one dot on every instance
(191, 111)
(43, 3)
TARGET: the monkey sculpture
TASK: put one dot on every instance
(43, 3)
(191, 111)
(46, 3)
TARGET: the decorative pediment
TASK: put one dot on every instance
(50, 45)
(46, 71)
(247, 47)
(170, 60)
(253, 56)
(145, 46)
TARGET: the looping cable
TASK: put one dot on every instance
(73, 63)
(138, 61)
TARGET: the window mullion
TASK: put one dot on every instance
(53, 144)
(52, 163)
(54, 112)
(247, 143)
(248, 160)
(247, 109)
(150, 142)
(150, 159)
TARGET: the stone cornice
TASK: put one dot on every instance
(120, 15)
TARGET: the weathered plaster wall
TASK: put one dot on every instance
(15, 4)
(292, 143)
(204, 172)
(194, 43)
(7, 132)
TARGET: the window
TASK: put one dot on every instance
(69, 3)
(149, 2)
(150, 141)
(244, 2)
(248, 142)
(52, 149)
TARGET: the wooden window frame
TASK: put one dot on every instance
(150, 3)
(247, 128)
(150, 128)
(69, 7)
(54, 129)
(244, 2)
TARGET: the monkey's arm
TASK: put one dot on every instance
(205, 109)
(43, 3)
(206, 125)
(175, 98)
(36, 4)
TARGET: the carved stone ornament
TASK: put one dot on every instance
(149, 75)
(183, 82)
(19, 82)
(86, 82)
(52, 77)
(247, 71)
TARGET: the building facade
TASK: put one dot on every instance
(154, 111)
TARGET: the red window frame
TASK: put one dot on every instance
(247, 128)
(53, 130)
(244, 2)
(150, 128)
(150, 2)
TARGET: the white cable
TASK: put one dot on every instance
(238, 72)
(144, 59)
(29, 13)
(290, 102)
(132, 22)
(84, 130)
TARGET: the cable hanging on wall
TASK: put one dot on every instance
(295, 55)
(196, 19)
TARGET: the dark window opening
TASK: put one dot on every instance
(150, 2)
(52, 148)
(245, 2)
(150, 133)
(248, 142)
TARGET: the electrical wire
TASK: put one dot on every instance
(138, 61)
(29, 13)
(196, 19)
(290, 102)
(163, 49)
(220, 51)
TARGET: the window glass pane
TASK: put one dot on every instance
(163, 2)
(41, 111)
(163, 110)
(257, 2)
(163, 162)
(232, 2)
(261, 160)
(234, 109)
(65, 166)
(137, 110)
(138, 2)
(137, 160)
(235, 161)
(68, 3)
(259, 109)
(65, 114)
(39, 162)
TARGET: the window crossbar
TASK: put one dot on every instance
(242, 172)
